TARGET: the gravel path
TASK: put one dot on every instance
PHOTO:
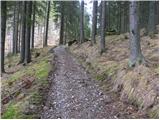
(73, 94)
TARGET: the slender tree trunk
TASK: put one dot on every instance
(120, 18)
(15, 32)
(82, 22)
(136, 56)
(102, 42)
(100, 16)
(62, 25)
(22, 51)
(20, 26)
(3, 32)
(38, 31)
(47, 22)
(119, 27)
(19, 38)
(28, 32)
(151, 24)
(65, 33)
(94, 22)
(156, 12)
(109, 20)
(33, 24)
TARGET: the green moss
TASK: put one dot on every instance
(11, 112)
(101, 77)
(109, 72)
(42, 69)
(17, 75)
(38, 68)
(36, 98)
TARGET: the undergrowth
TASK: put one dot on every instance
(27, 104)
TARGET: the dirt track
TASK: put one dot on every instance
(73, 94)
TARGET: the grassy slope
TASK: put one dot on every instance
(139, 85)
(27, 103)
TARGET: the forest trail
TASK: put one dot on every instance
(73, 94)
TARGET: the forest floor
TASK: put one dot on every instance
(23, 88)
(74, 94)
(138, 86)
(77, 82)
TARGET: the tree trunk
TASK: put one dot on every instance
(102, 42)
(47, 22)
(33, 24)
(20, 26)
(62, 24)
(156, 12)
(109, 20)
(100, 16)
(15, 32)
(19, 38)
(119, 27)
(94, 22)
(3, 32)
(22, 53)
(122, 18)
(82, 22)
(136, 56)
(151, 24)
(28, 32)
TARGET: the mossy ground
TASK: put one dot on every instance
(27, 103)
(139, 85)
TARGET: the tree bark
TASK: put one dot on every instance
(94, 22)
(151, 24)
(82, 22)
(119, 27)
(20, 26)
(22, 53)
(33, 24)
(156, 12)
(122, 18)
(15, 31)
(109, 20)
(136, 56)
(102, 41)
(62, 24)
(47, 22)
(3, 32)
(100, 16)
(28, 32)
